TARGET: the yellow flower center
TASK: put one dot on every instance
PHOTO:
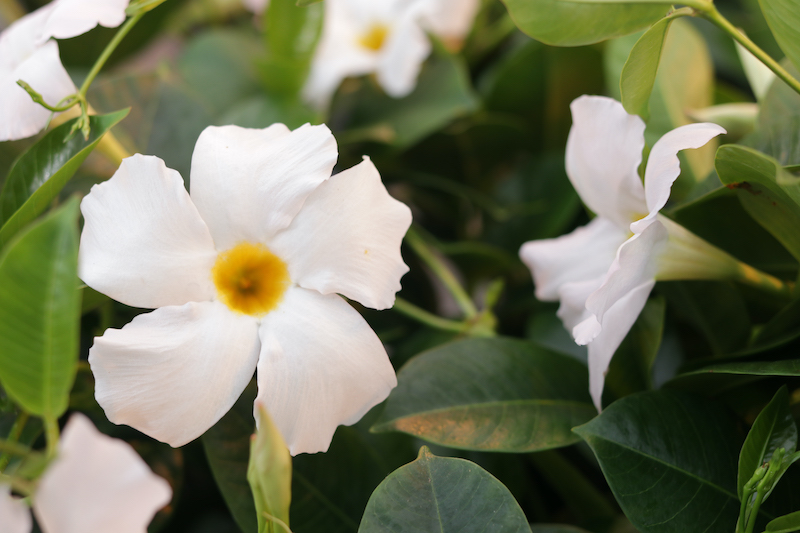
(250, 279)
(375, 36)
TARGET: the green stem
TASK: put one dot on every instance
(101, 61)
(51, 435)
(13, 448)
(20, 486)
(761, 280)
(429, 319)
(754, 512)
(13, 437)
(423, 250)
(709, 11)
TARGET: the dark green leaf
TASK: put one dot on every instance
(442, 494)
(778, 128)
(572, 24)
(785, 524)
(768, 193)
(40, 313)
(40, 173)
(783, 17)
(670, 458)
(490, 394)
(227, 446)
(270, 475)
(555, 528)
(773, 428)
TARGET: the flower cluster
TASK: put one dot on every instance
(96, 484)
(28, 53)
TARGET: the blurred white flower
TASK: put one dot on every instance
(244, 274)
(603, 272)
(95, 484)
(28, 54)
(387, 37)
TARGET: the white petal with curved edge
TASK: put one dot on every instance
(321, 365)
(604, 150)
(618, 321)
(664, 167)
(97, 484)
(572, 309)
(449, 19)
(635, 265)
(584, 254)
(174, 372)
(144, 243)
(347, 238)
(248, 184)
(15, 517)
(19, 40)
(256, 6)
(70, 18)
(42, 70)
(401, 59)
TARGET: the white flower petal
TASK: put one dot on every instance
(248, 184)
(70, 18)
(664, 167)
(347, 238)
(584, 254)
(617, 322)
(333, 63)
(144, 243)
(256, 6)
(97, 484)
(401, 58)
(174, 372)
(635, 265)
(321, 365)
(15, 517)
(604, 150)
(20, 116)
(449, 19)
(573, 296)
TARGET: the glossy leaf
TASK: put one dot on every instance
(768, 193)
(639, 71)
(40, 313)
(270, 475)
(490, 394)
(785, 524)
(778, 129)
(773, 428)
(561, 23)
(669, 457)
(227, 447)
(40, 173)
(783, 17)
(442, 494)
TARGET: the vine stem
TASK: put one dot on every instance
(101, 61)
(429, 319)
(10, 445)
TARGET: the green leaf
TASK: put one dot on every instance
(304, 3)
(442, 494)
(768, 193)
(778, 129)
(555, 528)
(40, 313)
(669, 458)
(639, 71)
(443, 93)
(783, 17)
(270, 475)
(493, 394)
(773, 428)
(227, 447)
(291, 34)
(572, 24)
(785, 524)
(40, 173)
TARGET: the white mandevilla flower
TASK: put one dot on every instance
(603, 272)
(386, 37)
(27, 53)
(96, 484)
(245, 273)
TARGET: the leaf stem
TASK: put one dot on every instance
(442, 271)
(710, 12)
(429, 319)
(9, 446)
(51, 435)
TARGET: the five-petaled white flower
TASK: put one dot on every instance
(387, 37)
(245, 273)
(27, 53)
(96, 484)
(603, 272)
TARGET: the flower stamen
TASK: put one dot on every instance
(250, 279)
(374, 37)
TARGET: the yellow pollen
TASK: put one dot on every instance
(374, 37)
(250, 279)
